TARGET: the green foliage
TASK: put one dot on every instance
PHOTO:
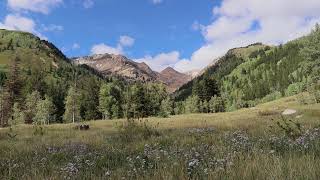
(31, 104)
(271, 97)
(252, 75)
(72, 112)
(217, 104)
(192, 104)
(166, 108)
(18, 115)
(290, 128)
(294, 89)
(44, 110)
(205, 88)
(110, 99)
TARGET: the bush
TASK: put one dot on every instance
(294, 89)
(271, 97)
(131, 131)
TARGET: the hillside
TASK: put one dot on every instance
(120, 66)
(42, 67)
(258, 73)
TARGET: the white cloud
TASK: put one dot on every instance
(17, 22)
(88, 4)
(126, 41)
(274, 22)
(40, 6)
(157, 1)
(75, 46)
(161, 61)
(103, 48)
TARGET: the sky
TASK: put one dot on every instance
(184, 34)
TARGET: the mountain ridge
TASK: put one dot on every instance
(118, 65)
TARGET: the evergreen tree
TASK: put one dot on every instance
(136, 102)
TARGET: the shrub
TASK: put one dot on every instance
(133, 131)
(271, 97)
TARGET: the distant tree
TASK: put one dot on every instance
(217, 104)
(44, 110)
(205, 88)
(155, 94)
(109, 101)
(179, 107)
(30, 107)
(136, 102)
(18, 115)
(72, 107)
(192, 104)
(166, 107)
(205, 106)
(139, 101)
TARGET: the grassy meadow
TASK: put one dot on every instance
(255, 143)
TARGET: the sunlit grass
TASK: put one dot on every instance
(232, 145)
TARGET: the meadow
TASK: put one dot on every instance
(254, 143)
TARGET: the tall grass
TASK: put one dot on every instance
(245, 144)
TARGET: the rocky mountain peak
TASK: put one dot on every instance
(121, 66)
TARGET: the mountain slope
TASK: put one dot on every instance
(120, 66)
(43, 68)
(258, 73)
(173, 79)
(219, 67)
(117, 65)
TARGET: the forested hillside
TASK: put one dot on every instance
(257, 73)
(40, 85)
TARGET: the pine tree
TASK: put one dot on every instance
(72, 107)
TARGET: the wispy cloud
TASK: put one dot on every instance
(157, 1)
(39, 6)
(88, 4)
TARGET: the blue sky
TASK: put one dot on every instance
(186, 35)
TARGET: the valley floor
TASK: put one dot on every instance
(255, 143)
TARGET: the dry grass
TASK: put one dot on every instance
(239, 144)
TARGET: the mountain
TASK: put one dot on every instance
(173, 79)
(42, 67)
(222, 66)
(120, 66)
(259, 73)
